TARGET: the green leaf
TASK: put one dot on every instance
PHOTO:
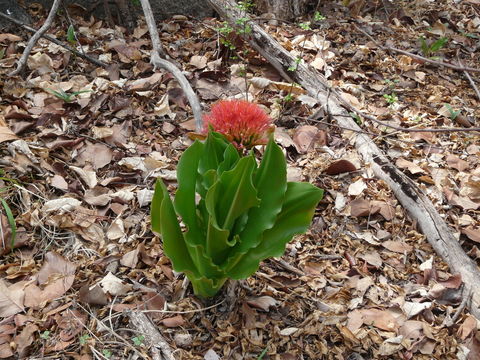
(271, 184)
(232, 194)
(71, 34)
(185, 207)
(164, 220)
(437, 45)
(215, 146)
(228, 199)
(295, 217)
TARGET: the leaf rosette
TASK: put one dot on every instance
(235, 212)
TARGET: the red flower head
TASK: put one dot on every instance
(241, 122)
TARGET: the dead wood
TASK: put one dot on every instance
(33, 40)
(55, 41)
(414, 200)
(159, 346)
(159, 60)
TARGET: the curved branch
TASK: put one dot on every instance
(159, 60)
(33, 40)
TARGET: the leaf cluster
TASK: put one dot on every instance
(236, 213)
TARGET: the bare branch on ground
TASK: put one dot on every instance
(159, 60)
(55, 41)
(159, 346)
(418, 57)
(33, 40)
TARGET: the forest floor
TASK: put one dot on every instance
(81, 146)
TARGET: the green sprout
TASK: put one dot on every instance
(66, 96)
(305, 25)
(318, 16)
(45, 335)
(429, 49)
(453, 113)
(107, 353)
(71, 35)
(391, 98)
(245, 5)
(138, 340)
(356, 117)
(295, 65)
(84, 339)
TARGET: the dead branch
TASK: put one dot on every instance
(419, 206)
(159, 346)
(33, 40)
(418, 57)
(159, 60)
(470, 80)
(55, 41)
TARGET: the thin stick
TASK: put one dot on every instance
(33, 40)
(467, 75)
(158, 60)
(55, 41)
(418, 57)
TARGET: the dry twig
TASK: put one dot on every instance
(159, 60)
(55, 41)
(33, 40)
(415, 56)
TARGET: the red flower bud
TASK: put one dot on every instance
(243, 123)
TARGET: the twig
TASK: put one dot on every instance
(112, 332)
(288, 267)
(159, 60)
(33, 40)
(55, 41)
(415, 56)
(474, 86)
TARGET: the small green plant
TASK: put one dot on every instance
(245, 5)
(45, 335)
(356, 117)
(67, 97)
(305, 25)
(294, 66)
(138, 340)
(225, 30)
(2, 53)
(84, 339)
(318, 16)
(429, 49)
(391, 98)
(243, 24)
(71, 35)
(235, 212)
(136, 2)
(287, 98)
(391, 83)
(453, 113)
(107, 353)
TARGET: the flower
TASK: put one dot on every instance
(243, 123)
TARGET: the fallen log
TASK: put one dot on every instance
(412, 198)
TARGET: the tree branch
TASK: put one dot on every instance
(33, 40)
(55, 41)
(159, 60)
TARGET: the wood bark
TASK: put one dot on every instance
(414, 200)
(283, 9)
(157, 343)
